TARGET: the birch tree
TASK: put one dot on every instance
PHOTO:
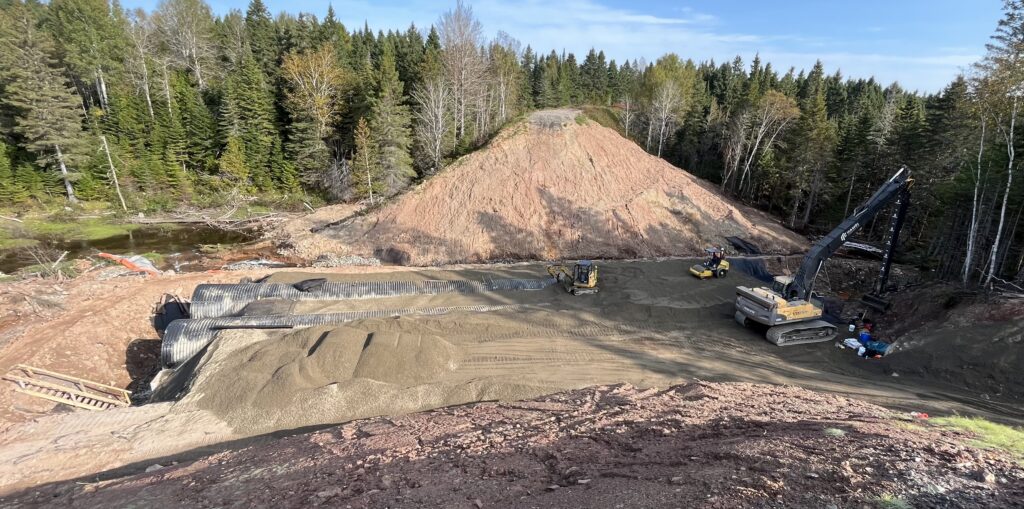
(143, 46)
(186, 28)
(433, 121)
(464, 66)
(315, 85)
(773, 113)
(1004, 69)
(504, 65)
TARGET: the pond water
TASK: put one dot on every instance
(179, 244)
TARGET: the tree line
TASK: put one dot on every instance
(152, 110)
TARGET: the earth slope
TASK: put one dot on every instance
(552, 187)
(693, 445)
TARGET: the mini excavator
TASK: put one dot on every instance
(789, 308)
(582, 279)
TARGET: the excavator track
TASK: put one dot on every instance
(815, 331)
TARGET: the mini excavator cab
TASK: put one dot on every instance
(582, 279)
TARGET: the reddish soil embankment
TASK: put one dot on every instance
(551, 187)
(694, 445)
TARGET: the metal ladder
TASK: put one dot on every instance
(67, 389)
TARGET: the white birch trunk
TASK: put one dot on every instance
(1010, 152)
(972, 234)
(64, 174)
(113, 172)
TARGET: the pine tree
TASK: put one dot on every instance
(232, 164)
(389, 122)
(48, 112)
(367, 178)
(197, 123)
(247, 111)
(261, 36)
(11, 191)
(26, 177)
(93, 39)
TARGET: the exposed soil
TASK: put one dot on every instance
(694, 445)
(652, 325)
(972, 340)
(296, 237)
(549, 188)
(97, 326)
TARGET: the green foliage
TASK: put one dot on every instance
(890, 501)
(367, 176)
(232, 163)
(987, 433)
(261, 37)
(47, 111)
(199, 109)
(12, 192)
(389, 126)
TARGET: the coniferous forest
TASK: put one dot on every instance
(155, 111)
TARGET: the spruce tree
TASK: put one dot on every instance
(261, 36)
(196, 122)
(47, 111)
(93, 40)
(367, 178)
(11, 191)
(389, 122)
(28, 178)
(232, 163)
(247, 111)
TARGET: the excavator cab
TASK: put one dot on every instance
(581, 280)
(781, 286)
(715, 266)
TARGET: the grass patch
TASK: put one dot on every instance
(890, 501)
(157, 258)
(987, 433)
(605, 116)
(89, 229)
(9, 243)
(581, 119)
(835, 432)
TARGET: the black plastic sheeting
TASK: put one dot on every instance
(744, 247)
(219, 300)
(753, 267)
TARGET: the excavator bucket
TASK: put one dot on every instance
(876, 302)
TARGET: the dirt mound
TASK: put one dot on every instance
(973, 341)
(552, 187)
(296, 237)
(708, 445)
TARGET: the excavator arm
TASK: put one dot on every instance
(896, 188)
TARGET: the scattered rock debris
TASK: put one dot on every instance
(745, 445)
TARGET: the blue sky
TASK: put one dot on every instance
(922, 44)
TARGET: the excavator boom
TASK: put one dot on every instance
(789, 308)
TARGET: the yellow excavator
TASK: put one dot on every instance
(789, 308)
(582, 279)
(715, 266)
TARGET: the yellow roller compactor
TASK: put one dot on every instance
(715, 266)
(789, 308)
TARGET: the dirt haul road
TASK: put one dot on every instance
(652, 324)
